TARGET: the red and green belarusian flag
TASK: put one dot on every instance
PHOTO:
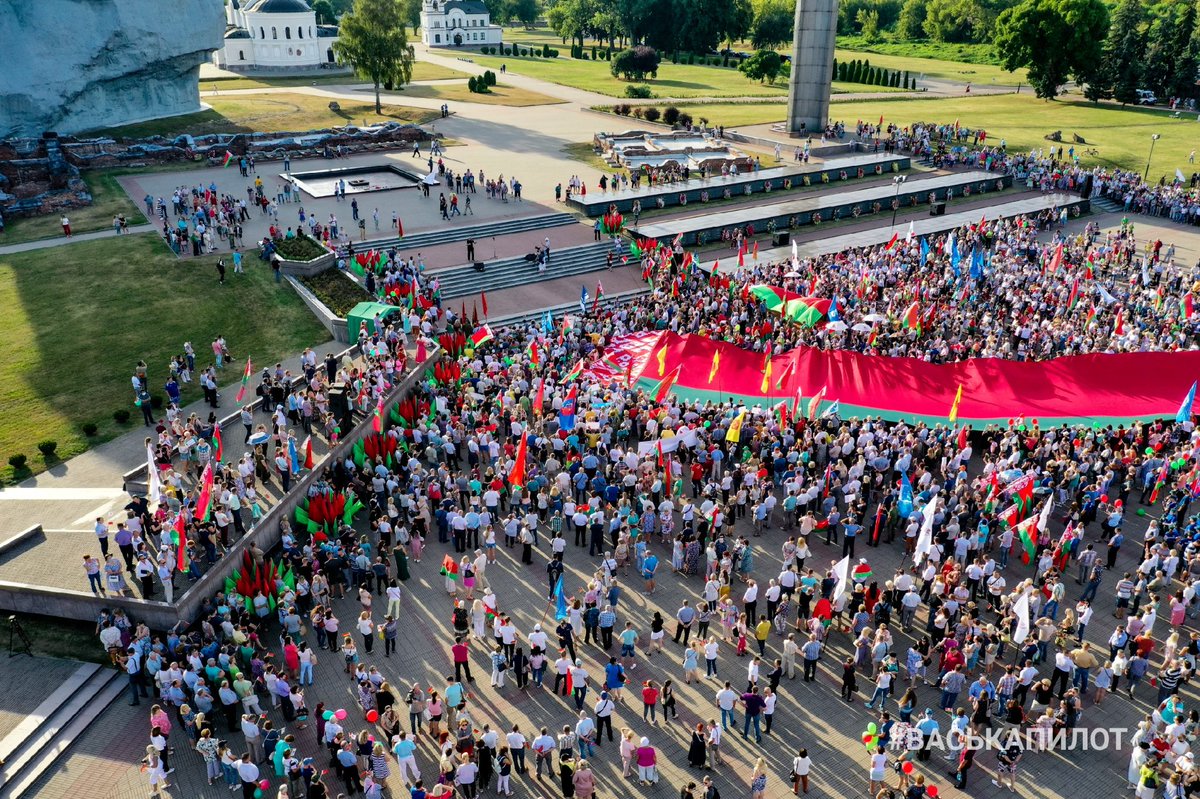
(534, 356)
(180, 539)
(1186, 306)
(481, 336)
(1161, 482)
(1091, 316)
(862, 572)
(204, 500)
(663, 389)
(245, 382)
(781, 413)
(1028, 540)
(911, 318)
(228, 159)
(218, 447)
(377, 419)
(449, 568)
(1073, 300)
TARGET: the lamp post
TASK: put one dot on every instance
(1153, 138)
(897, 182)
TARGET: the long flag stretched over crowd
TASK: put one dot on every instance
(1077, 389)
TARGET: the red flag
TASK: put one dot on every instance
(881, 120)
(309, 461)
(377, 421)
(218, 447)
(483, 302)
(180, 543)
(892, 241)
(1056, 261)
(741, 256)
(962, 437)
(663, 389)
(400, 227)
(599, 294)
(516, 476)
(540, 398)
(1119, 324)
(756, 251)
(245, 381)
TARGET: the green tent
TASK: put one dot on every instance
(364, 314)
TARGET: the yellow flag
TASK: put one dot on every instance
(954, 405)
(735, 428)
(716, 363)
(662, 361)
(766, 381)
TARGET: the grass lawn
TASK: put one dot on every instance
(499, 94)
(422, 70)
(584, 153)
(284, 111)
(108, 200)
(80, 316)
(1122, 135)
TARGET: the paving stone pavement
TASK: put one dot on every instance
(27, 681)
(101, 765)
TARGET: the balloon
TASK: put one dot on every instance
(872, 728)
(1141, 512)
(907, 767)
(372, 716)
(1119, 504)
(327, 715)
(1149, 450)
(264, 784)
(1034, 422)
(340, 715)
(258, 794)
(1104, 497)
(932, 790)
(867, 738)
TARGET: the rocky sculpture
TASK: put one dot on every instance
(75, 65)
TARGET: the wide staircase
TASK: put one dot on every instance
(42, 737)
(505, 273)
(1103, 205)
(459, 232)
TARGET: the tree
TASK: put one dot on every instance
(1169, 54)
(954, 20)
(526, 11)
(912, 20)
(499, 10)
(571, 19)
(868, 23)
(372, 40)
(635, 63)
(1053, 39)
(763, 65)
(324, 11)
(1125, 51)
(772, 24)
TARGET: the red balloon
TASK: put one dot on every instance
(372, 716)
(1034, 422)
(1119, 504)
(867, 737)
(932, 790)
(1104, 497)
(908, 768)
(265, 784)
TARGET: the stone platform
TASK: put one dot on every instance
(598, 202)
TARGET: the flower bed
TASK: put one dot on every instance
(336, 291)
(300, 248)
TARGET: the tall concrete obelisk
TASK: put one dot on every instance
(812, 65)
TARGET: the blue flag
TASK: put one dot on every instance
(566, 416)
(834, 315)
(905, 504)
(294, 458)
(976, 264)
(955, 257)
(560, 600)
(583, 299)
(924, 251)
(1185, 410)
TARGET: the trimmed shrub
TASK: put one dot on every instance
(90, 428)
(121, 416)
(47, 448)
(17, 462)
(156, 402)
(524, 51)
(489, 78)
(640, 92)
(651, 114)
(670, 115)
(685, 120)
(484, 49)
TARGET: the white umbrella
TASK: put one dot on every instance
(874, 317)
(792, 274)
(837, 326)
(431, 179)
(861, 327)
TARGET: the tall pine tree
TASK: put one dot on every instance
(1125, 51)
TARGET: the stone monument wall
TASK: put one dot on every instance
(74, 65)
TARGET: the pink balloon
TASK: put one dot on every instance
(340, 715)
(264, 784)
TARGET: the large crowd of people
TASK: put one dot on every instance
(522, 455)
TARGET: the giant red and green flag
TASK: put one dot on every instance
(807, 311)
(1074, 389)
(241, 395)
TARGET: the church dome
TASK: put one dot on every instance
(281, 7)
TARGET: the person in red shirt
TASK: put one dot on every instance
(649, 701)
(462, 659)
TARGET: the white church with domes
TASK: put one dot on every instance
(274, 35)
(458, 23)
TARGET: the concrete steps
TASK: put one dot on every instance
(457, 231)
(1104, 205)
(38, 741)
(607, 301)
(464, 281)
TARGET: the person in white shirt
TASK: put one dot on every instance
(801, 766)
